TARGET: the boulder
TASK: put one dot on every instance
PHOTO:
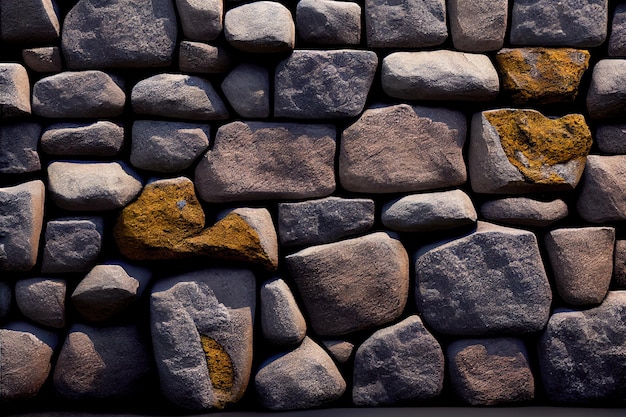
(602, 198)
(619, 264)
(524, 211)
(247, 89)
(478, 25)
(201, 20)
(611, 138)
(18, 148)
(201, 58)
(29, 21)
(617, 38)
(15, 91)
(261, 26)
(43, 59)
(341, 350)
(101, 138)
(329, 22)
(72, 244)
(606, 96)
(281, 319)
(42, 300)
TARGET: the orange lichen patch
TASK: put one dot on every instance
(535, 144)
(542, 75)
(221, 369)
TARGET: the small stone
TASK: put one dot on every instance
(197, 57)
(6, 296)
(611, 138)
(478, 25)
(305, 377)
(80, 94)
(178, 96)
(329, 22)
(201, 20)
(247, 89)
(28, 21)
(491, 371)
(324, 84)
(520, 151)
(602, 198)
(42, 300)
(619, 264)
(524, 211)
(439, 75)
(18, 148)
(352, 285)
(262, 26)
(101, 138)
(92, 186)
(429, 211)
(617, 39)
(72, 244)
(403, 148)
(582, 263)
(14, 91)
(398, 363)
(606, 96)
(341, 350)
(281, 319)
(140, 274)
(43, 59)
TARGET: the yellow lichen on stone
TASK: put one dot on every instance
(221, 369)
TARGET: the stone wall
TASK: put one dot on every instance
(212, 204)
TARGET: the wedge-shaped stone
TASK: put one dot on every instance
(602, 197)
(261, 26)
(14, 91)
(341, 350)
(342, 22)
(18, 148)
(42, 300)
(29, 21)
(478, 25)
(201, 20)
(517, 151)
(101, 138)
(281, 319)
(606, 96)
(524, 211)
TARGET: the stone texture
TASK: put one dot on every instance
(201, 19)
(202, 336)
(329, 22)
(78, 94)
(602, 195)
(541, 75)
(28, 21)
(42, 300)
(261, 26)
(102, 363)
(611, 138)
(522, 151)
(478, 25)
(402, 148)
(43, 59)
(326, 220)
(619, 264)
(178, 96)
(524, 211)
(606, 96)
(92, 186)
(18, 148)
(582, 263)
(617, 39)
(6, 296)
(399, 363)
(72, 244)
(302, 378)
(582, 354)
(167, 146)
(281, 319)
(407, 24)
(21, 221)
(256, 160)
(489, 282)
(581, 23)
(323, 84)
(429, 211)
(101, 138)
(14, 91)
(99, 34)
(341, 350)
(490, 371)
(247, 89)
(352, 285)
(198, 57)
(439, 75)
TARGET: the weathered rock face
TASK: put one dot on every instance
(606, 97)
(29, 21)
(18, 148)
(72, 244)
(524, 211)
(342, 22)
(102, 138)
(15, 91)
(478, 25)
(281, 319)
(602, 195)
(42, 300)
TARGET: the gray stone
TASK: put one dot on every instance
(402, 148)
(352, 285)
(398, 363)
(43, 59)
(602, 197)
(524, 211)
(303, 378)
(341, 350)
(167, 146)
(406, 24)
(247, 89)
(92, 186)
(582, 263)
(18, 148)
(582, 354)
(78, 94)
(323, 84)
(28, 21)
(439, 75)
(617, 39)
(21, 221)
(478, 25)
(581, 23)
(100, 34)
(72, 244)
(14, 91)
(429, 211)
(201, 20)
(202, 326)
(606, 96)
(140, 274)
(101, 138)
(42, 300)
(490, 371)
(325, 220)
(329, 22)
(6, 296)
(619, 264)
(256, 160)
(611, 138)
(281, 319)
(102, 363)
(489, 282)
(178, 96)
(262, 26)
(197, 57)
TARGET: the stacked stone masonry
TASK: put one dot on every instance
(278, 205)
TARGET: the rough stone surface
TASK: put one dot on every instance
(520, 151)
(247, 89)
(198, 57)
(617, 39)
(490, 371)
(439, 75)
(399, 363)
(92, 186)
(14, 91)
(352, 285)
(6, 296)
(28, 21)
(489, 282)
(99, 34)
(602, 196)
(582, 354)
(167, 146)
(429, 211)
(202, 335)
(201, 19)
(619, 264)
(78, 94)
(606, 96)
(478, 25)
(281, 319)
(72, 244)
(611, 138)
(402, 148)
(303, 378)
(341, 350)
(18, 148)
(42, 300)
(323, 84)
(582, 263)
(101, 138)
(256, 160)
(524, 211)
(43, 59)
(329, 22)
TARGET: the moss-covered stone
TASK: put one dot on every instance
(221, 371)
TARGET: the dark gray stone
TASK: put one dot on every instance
(329, 22)
(611, 138)
(478, 25)
(101, 138)
(281, 319)
(6, 296)
(201, 20)
(602, 198)
(42, 300)
(247, 89)
(524, 211)
(197, 57)
(43, 59)
(617, 39)
(29, 21)
(606, 97)
(72, 244)
(14, 91)
(619, 264)
(18, 148)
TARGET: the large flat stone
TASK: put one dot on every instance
(602, 197)
(101, 138)
(18, 148)
(524, 211)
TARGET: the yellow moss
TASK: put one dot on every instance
(221, 370)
